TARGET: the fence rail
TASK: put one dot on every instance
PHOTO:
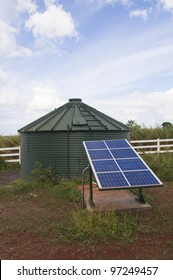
(153, 146)
(12, 154)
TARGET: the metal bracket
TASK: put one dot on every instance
(91, 203)
(141, 197)
(83, 194)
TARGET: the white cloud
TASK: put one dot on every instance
(142, 13)
(43, 97)
(123, 2)
(8, 45)
(26, 6)
(10, 23)
(99, 73)
(7, 39)
(52, 24)
(20, 105)
(98, 4)
(7, 10)
(167, 4)
(11, 97)
(150, 108)
(102, 2)
(3, 77)
(48, 3)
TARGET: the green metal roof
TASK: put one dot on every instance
(75, 116)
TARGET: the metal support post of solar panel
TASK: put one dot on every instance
(116, 165)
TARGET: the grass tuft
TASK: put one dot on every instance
(89, 227)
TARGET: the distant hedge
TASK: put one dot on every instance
(137, 133)
(144, 133)
(9, 141)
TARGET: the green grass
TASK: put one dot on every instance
(95, 226)
(3, 164)
(161, 164)
(52, 206)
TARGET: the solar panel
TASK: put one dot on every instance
(99, 154)
(123, 153)
(116, 164)
(130, 164)
(113, 179)
(142, 177)
(118, 144)
(105, 165)
(95, 145)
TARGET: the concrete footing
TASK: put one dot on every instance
(114, 199)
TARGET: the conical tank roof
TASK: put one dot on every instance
(74, 116)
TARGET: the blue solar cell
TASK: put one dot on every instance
(117, 144)
(123, 153)
(107, 161)
(113, 179)
(99, 154)
(131, 164)
(141, 178)
(92, 145)
(105, 165)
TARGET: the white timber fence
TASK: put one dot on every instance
(153, 146)
(12, 154)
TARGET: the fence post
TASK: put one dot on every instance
(158, 145)
(19, 154)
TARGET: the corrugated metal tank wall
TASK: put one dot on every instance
(63, 151)
(50, 149)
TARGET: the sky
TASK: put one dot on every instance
(116, 55)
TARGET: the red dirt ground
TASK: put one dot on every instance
(32, 247)
(22, 245)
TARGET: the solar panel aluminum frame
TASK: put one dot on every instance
(128, 185)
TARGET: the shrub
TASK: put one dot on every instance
(46, 178)
(41, 178)
(20, 186)
(43, 175)
(3, 164)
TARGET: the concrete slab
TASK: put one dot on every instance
(114, 199)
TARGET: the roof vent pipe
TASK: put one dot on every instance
(75, 99)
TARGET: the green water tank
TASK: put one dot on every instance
(56, 138)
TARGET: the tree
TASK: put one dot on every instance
(133, 124)
(166, 124)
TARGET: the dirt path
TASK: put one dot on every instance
(6, 177)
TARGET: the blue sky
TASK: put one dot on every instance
(114, 54)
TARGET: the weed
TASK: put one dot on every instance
(20, 186)
(43, 175)
(3, 164)
(41, 178)
(70, 189)
(98, 226)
